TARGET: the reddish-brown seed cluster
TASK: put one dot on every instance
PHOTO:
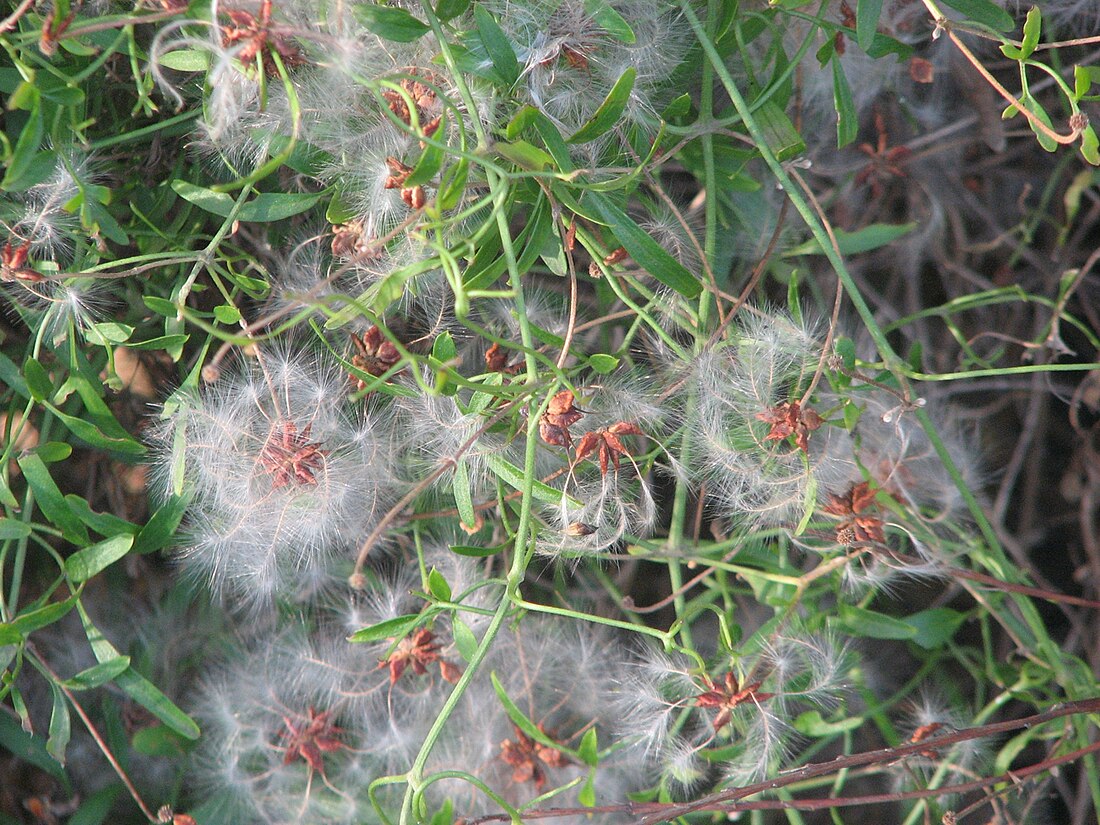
(413, 196)
(607, 443)
(417, 652)
(375, 355)
(424, 101)
(560, 415)
(349, 240)
(924, 732)
(13, 263)
(288, 455)
(529, 758)
(791, 418)
(259, 38)
(496, 360)
(886, 162)
(310, 738)
(858, 514)
(727, 695)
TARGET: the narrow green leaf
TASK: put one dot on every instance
(84, 564)
(390, 22)
(587, 794)
(53, 451)
(518, 717)
(680, 107)
(444, 816)
(136, 686)
(852, 413)
(645, 251)
(602, 363)
(511, 475)
(31, 620)
(85, 430)
(610, 112)
(19, 704)
(227, 314)
(443, 348)
(810, 723)
(9, 636)
(26, 147)
(862, 240)
(984, 12)
(185, 60)
(1032, 28)
(867, 16)
(98, 675)
(1033, 105)
(847, 121)
(60, 728)
(554, 142)
(935, 627)
(610, 21)
(522, 119)
(845, 347)
(106, 524)
(1082, 81)
(160, 529)
(109, 332)
(161, 306)
(588, 750)
(437, 585)
(465, 640)
(460, 484)
(475, 552)
(448, 9)
(452, 185)
(11, 376)
(38, 380)
(1090, 146)
(779, 132)
(339, 209)
(158, 740)
(12, 529)
(497, 46)
(523, 155)
(164, 342)
(271, 206)
(872, 625)
(49, 499)
(264, 208)
(393, 628)
(430, 162)
(217, 203)
(29, 748)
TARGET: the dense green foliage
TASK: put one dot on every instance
(548, 408)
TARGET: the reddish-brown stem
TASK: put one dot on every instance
(100, 743)
(13, 18)
(652, 813)
(1032, 118)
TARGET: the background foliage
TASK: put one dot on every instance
(549, 408)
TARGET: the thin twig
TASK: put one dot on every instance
(652, 813)
(100, 743)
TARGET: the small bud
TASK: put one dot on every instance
(414, 197)
(579, 529)
(211, 373)
(357, 581)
